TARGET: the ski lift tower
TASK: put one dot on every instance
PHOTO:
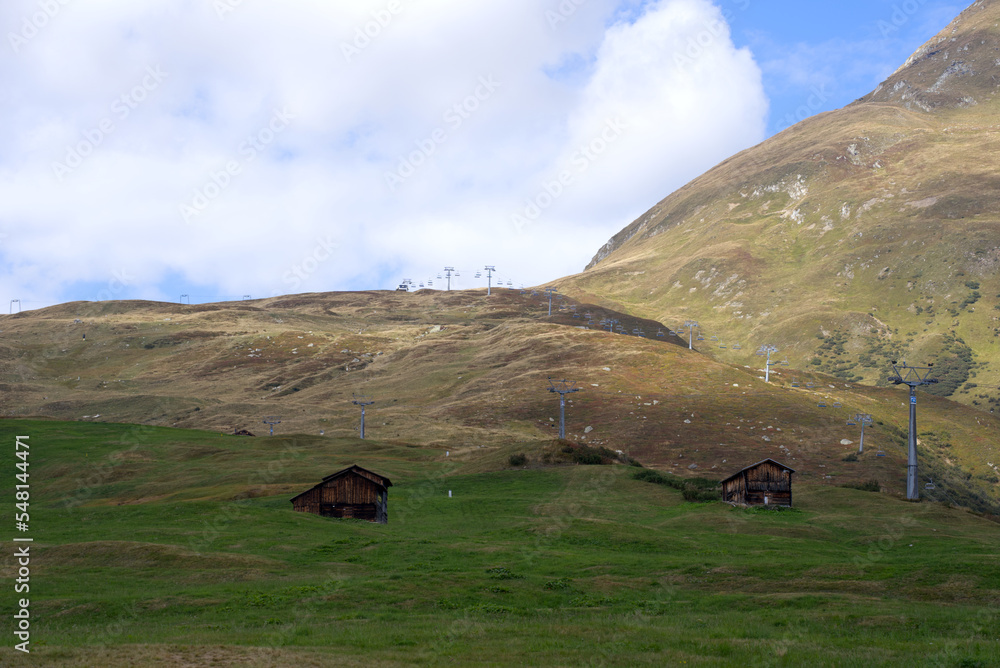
(863, 419)
(272, 420)
(447, 273)
(562, 387)
(489, 278)
(363, 401)
(550, 292)
(913, 377)
(691, 324)
(767, 350)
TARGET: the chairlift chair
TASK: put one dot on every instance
(700, 338)
(880, 453)
(852, 423)
(737, 346)
(430, 283)
(723, 347)
(714, 338)
(837, 405)
(439, 276)
(930, 485)
(478, 275)
(822, 404)
(795, 384)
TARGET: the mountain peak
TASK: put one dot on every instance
(957, 68)
(856, 237)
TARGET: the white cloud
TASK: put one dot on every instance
(493, 99)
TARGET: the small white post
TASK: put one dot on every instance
(449, 493)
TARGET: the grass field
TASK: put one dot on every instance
(157, 546)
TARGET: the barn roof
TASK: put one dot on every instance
(355, 469)
(753, 466)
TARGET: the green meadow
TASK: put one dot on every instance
(161, 547)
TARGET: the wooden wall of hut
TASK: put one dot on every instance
(766, 483)
(352, 495)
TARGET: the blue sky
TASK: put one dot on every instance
(840, 50)
(228, 148)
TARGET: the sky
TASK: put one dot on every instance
(212, 150)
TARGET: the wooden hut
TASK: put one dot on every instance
(353, 492)
(766, 483)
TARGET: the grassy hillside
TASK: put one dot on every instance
(161, 547)
(874, 226)
(459, 371)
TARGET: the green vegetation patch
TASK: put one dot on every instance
(603, 567)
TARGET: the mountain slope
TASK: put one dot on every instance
(854, 238)
(463, 372)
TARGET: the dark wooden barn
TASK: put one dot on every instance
(766, 483)
(353, 492)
